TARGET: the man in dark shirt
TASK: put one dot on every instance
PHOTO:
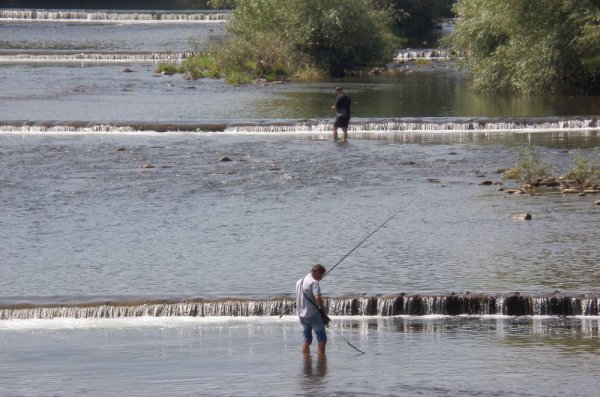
(342, 108)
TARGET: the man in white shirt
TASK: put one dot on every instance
(308, 305)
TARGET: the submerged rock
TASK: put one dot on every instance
(524, 217)
(147, 166)
(224, 158)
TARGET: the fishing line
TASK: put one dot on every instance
(347, 341)
(362, 241)
(340, 261)
(351, 251)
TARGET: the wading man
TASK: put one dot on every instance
(309, 304)
(342, 108)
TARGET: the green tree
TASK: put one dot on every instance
(336, 36)
(527, 46)
(416, 19)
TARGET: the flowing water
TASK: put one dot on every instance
(134, 262)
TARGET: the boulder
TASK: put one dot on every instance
(224, 158)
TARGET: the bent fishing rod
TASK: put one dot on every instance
(350, 252)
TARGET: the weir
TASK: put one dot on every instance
(112, 16)
(409, 54)
(360, 128)
(92, 57)
(384, 306)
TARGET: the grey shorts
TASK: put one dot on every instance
(341, 121)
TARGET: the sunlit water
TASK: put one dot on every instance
(82, 219)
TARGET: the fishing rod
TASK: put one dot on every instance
(340, 261)
(362, 241)
(350, 252)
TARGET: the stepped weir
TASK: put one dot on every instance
(388, 305)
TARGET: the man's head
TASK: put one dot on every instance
(338, 90)
(318, 271)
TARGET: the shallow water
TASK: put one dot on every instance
(82, 209)
(404, 356)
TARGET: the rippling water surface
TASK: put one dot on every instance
(84, 210)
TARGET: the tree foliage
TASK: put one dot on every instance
(416, 18)
(336, 36)
(527, 46)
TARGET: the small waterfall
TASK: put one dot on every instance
(87, 57)
(405, 129)
(408, 54)
(368, 128)
(384, 306)
(106, 16)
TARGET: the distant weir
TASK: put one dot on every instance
(407, 54)
(318, 128)
(113, 16)
(85, 57)
(384, 306)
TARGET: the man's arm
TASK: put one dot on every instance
(319, 301)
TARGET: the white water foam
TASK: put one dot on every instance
(112, 17)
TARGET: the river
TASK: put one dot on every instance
(134, 262)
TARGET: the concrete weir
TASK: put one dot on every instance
(390, 305)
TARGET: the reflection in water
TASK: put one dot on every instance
(313, 371)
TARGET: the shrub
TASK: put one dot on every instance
(282, 37)
(526, 46)
(584, 170)
(528, 166)
(201, 65)
(167, 68)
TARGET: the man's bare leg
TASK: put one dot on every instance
(335, 134)
(321, 349)
(306, 348)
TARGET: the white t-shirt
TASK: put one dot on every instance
(311, 286)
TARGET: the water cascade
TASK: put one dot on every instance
(360, 128)
(409, 54)
(416, 305)
(91, 57)
(112, 16)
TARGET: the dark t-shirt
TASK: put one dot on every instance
(342, 105)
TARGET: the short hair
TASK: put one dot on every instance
(338, 89)
(318, 268)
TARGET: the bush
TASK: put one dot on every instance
(584, 170)
(282, 37)
(528, 166)
(201, 65)
(167, 68)
(526, 46)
